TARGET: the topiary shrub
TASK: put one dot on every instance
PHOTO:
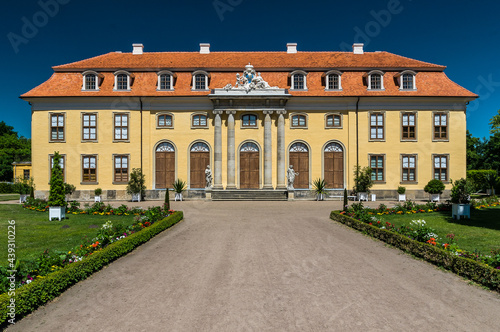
(460, 192)
(57, 188)
(97, 192)
(167, 200)
(136, 184)
(401, 190)
(434, 186)
(362, 179)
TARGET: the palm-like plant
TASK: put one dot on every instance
(319, 186)
(179, 186)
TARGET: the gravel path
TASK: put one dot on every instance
(267, 266)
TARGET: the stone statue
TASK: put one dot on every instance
(249, 81)
(208, 176)
(291, 176)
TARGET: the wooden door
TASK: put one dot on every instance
(165, 169)
(334, 166)
(300, 162)
(249, 170)
(199, 162)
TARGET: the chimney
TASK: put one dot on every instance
(204, 48)
(291, 48)
(357, 48)
(137, 48)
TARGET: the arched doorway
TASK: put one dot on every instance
(199, 156)
(249, 166)
(334, 165)
(299, 158)
(165, 165)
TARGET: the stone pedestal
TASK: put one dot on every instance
(291, 194)
(208, 194)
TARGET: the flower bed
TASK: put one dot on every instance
(99, 208)
(420, 240)
(41, 290)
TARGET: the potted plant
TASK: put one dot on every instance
(68, 190)
(136, 185)
(57, 201)
(97, 194)
(179, 187)
(460, 198)
(362, 182)
(402, 196)
(23, 187)
(435, 188)
(491, 180)
(319, 186)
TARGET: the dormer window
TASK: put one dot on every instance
(165, 81)
(122, 81)
(200, 80)
(407, 80)
(332, 80)
(90, 81)
(375, 80)
(299, 80)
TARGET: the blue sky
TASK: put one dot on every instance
(462, 35)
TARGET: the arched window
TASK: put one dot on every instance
(200, 147)
(164, 120)
(333, 121)
(165, 81)
(299, 80)
(249, 147)
(122, 81)
(249, 120)
(333, 147)
(299, 121)
(299, 147)
(90, 81)
(407, 80)
(165, 147)
(199, 121)
(200, 80)
(375, 80)
(332, 81)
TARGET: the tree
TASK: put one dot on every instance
(474, 149)
(57, 189)
(12, 148)
(495, 124)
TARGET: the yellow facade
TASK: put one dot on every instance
(22, 170)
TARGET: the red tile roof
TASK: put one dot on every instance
(431, 81)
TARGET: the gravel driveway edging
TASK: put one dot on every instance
(29, 297)
(465, 267)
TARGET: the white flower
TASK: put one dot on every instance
(28, 281)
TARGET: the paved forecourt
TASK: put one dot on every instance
(267, 266)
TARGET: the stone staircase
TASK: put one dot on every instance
(249, 195)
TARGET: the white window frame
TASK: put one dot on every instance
(369, 75)
(400, 80)
(97, 80)
(115, 87)
(199, 72)
(292, 81)
(165, 72)
(327, 78)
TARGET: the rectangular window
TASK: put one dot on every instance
(377, 166)
(26, 174)
(121, 127)
(375, 82)
(407, 82)
(299, 121)
(441, 167)
(376, 126)
(89, 169)
(61, 164)
(199, 120)
(57, 127)
(409, 126)
(165, 82)
(90, 82)
(89, 127)
(440, 126)
(200, 82)
(333, 82)
(409, 169)
(298, 82)
(121, 169)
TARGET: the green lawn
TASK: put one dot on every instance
(8, 197)
(35, 233)
(481, 232)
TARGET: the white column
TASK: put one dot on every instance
(268, 152)
(218, 150)
(281, 150)
(231, 164)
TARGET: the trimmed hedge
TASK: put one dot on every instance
(465, 267)
(7, 188)
(40, 291)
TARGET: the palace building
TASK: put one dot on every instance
(249, 116)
